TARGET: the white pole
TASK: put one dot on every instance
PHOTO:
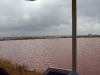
(74, 36)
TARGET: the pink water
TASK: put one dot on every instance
(40, 54)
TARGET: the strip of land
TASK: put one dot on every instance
(44, 37)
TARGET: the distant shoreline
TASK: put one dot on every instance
(45, 37)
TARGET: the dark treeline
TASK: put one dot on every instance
(45, 37)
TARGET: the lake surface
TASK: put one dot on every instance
(40, 54)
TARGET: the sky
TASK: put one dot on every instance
(48, 17)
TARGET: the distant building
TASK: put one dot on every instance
(89, 34)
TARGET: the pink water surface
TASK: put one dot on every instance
(40, 54)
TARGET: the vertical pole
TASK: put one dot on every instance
(74, 36)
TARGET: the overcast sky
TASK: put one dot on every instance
(48, 17)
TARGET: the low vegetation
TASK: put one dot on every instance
(15, 69)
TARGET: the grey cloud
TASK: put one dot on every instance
(88, 8)
(21, 17)
(47, 16)
(88, 12)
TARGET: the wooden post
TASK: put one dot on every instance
(74, 36)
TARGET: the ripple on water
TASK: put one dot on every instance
(43, 53)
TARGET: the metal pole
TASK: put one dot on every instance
(74, 36)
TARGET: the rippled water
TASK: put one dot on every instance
(40, 54)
